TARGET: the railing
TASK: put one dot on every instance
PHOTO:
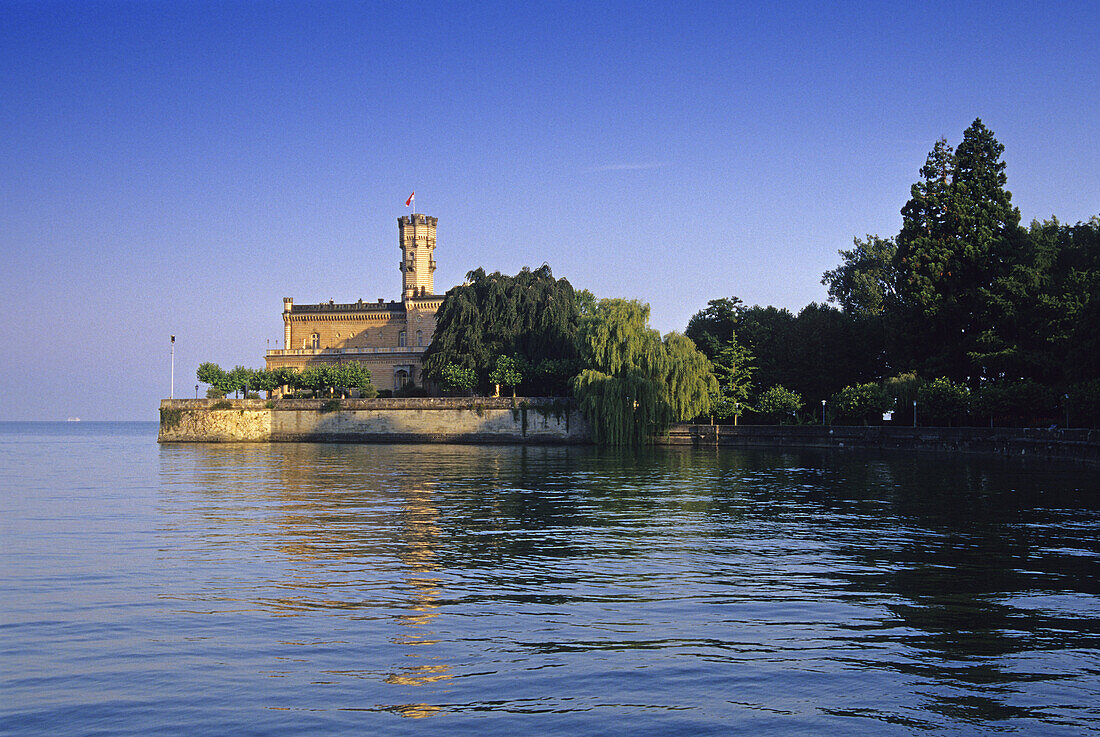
(345, 307)
(342, 351)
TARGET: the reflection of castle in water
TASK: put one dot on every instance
(414, 541)
(341, 504)
(420, 526)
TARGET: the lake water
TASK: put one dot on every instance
(464, 590)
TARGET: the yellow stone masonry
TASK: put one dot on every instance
(387, 338)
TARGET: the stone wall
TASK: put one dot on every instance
(428, 419)
(1056, 444)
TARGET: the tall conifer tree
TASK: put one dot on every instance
(957, 226)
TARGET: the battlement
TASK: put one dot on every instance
(359, 306)
(417, 219)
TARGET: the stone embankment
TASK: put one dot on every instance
(1054, 444)
(409, 420)
(548, 420)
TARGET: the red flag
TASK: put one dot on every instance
(410, 200)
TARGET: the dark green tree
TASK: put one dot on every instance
(713, 328)
(957, 226)
(864, 282)
(531, 315)
(943, 402)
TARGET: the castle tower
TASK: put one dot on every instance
(416, 237)
(288, 307)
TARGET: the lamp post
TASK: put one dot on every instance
(196, 391)
(914, 413)
(1065, 404)
(823, 413)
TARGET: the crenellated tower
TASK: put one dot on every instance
(416, 236)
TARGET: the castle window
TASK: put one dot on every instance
(401, 379)
(419, 338)
(315, 341)
(401, 339)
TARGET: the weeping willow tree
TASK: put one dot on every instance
(531, 315)
(635, 384)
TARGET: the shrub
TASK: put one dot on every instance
(860, 404)
(1015, 402)
(385, 393)
(331, 405)
(214, 393)
(779, 404)
(455, 378)
(222, 404)
(942, 401)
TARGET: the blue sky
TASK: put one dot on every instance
(180, 168)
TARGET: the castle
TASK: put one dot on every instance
(387, 338)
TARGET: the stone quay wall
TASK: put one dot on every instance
(1055, 444)
(407, 420)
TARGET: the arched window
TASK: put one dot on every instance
(401, 339)
(419, 338)
(315, 341)
(400, 379)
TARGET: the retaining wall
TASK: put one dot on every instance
(1054, 444)
(407, 420)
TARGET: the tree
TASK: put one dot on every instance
(315, 378)
(455, 378)
(902, 390)
(286, 376)
(265, 381)
(712, 328)
(956, 229)
(733, 371)
(635, 384)
(689, 380)
(1015, 402)
(507, 372)
(239, 379)
(352, 375)
(942, 401)
(864, 282)
(531, 315)
(862, 403)
(216, 377)
(778, 404)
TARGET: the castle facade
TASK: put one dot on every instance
(387, 338)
